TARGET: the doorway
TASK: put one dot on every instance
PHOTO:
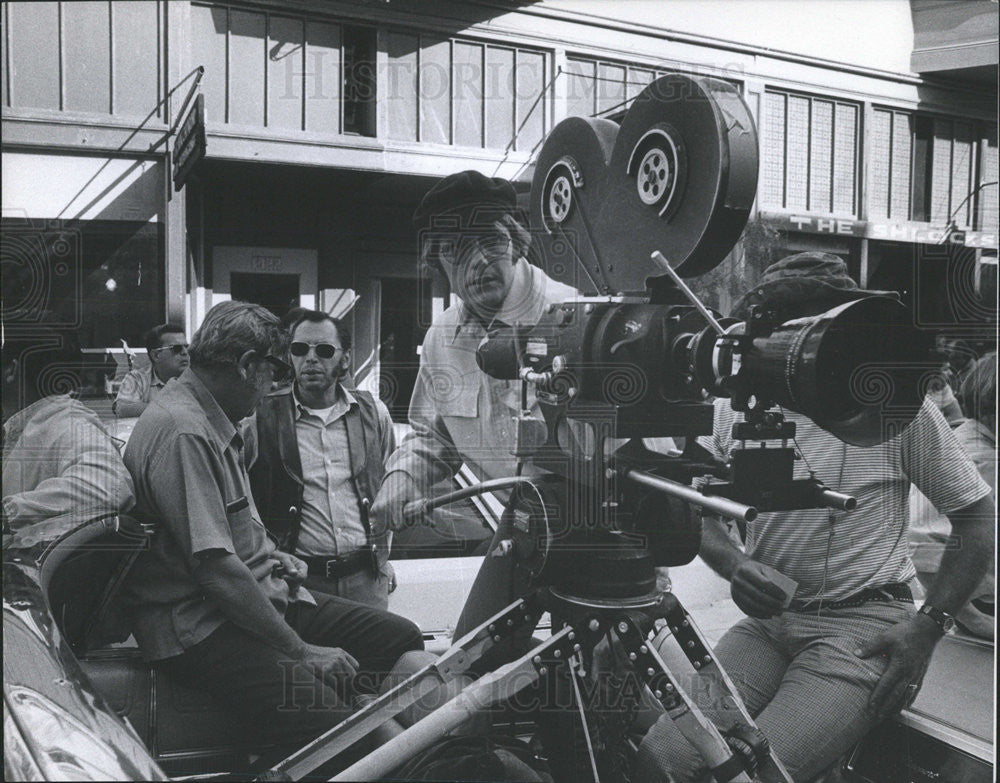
(277, 293)
(404, 314)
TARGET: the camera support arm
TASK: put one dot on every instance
(715, 504)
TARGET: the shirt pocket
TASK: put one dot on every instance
(458, 396)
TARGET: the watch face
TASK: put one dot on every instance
(948, 625)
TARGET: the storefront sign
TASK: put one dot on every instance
(190, 146)
(920, 233)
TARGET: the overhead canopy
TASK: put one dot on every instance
(955, 38)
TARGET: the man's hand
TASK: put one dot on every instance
(290, 568)
(397, 490)
(908, 646)
(518, 234)
(331, 664)
(754, 592)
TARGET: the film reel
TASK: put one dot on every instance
(679, 175)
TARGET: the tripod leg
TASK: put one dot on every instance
(694, 645)
(454, 661)
(692, 723)
(484, 692)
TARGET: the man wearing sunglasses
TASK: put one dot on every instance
(213, 602)
(167, 349)
(321, 455)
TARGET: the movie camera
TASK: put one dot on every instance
(624, 212)
(639, 207)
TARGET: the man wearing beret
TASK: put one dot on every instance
(468, 232)
(851, 648)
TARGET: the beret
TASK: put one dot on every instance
(810, 281)
(476, 200)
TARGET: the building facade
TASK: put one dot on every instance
(325, 122)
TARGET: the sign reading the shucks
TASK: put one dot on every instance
(190, 146)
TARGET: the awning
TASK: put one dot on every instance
(959, 36)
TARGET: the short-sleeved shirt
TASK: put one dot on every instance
(139, 385)
(929, 531)
(331, 516)
(185, 459)
(60, 461)
(459, 413)
(868, 546)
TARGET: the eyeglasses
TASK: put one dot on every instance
(446, 250)
(282, 371)
(323, 350)
(176, 350)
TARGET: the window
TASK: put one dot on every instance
(943, 166)
(928, 169)
(359, 81)
(810, 152)
(986, 199)
(596, 87)
(889, 161)
(463, 92)
(103, 278)
(284, 71)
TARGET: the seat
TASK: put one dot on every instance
(186, 731)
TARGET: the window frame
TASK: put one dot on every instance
(857, 152)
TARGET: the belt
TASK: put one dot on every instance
(895, 591)
(339, 566)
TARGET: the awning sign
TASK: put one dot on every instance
(190, 146)
(920, 233)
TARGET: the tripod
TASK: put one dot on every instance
(582, 624)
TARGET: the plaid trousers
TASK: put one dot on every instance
(798, 677)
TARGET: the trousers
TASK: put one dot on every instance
(282, 700)
(361, 587)
(798, 677)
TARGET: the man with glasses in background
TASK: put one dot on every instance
(167, 349)
(321, 452)
(213, 602)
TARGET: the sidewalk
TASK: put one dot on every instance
(706, 597)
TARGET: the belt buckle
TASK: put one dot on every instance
(332, 562)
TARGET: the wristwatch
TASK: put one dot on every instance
(944, 620)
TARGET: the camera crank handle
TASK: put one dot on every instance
(414, 509)
(662, 262)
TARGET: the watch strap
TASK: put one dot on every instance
(944, 620)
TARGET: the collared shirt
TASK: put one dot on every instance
(185, 458)
(139, 385)
(331, 516)
(835, 554)
(458, 413)
(60, 461)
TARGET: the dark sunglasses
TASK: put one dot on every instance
(176, 350)
(323, 350)
(282, 371)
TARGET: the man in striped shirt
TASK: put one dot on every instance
(850, 649)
